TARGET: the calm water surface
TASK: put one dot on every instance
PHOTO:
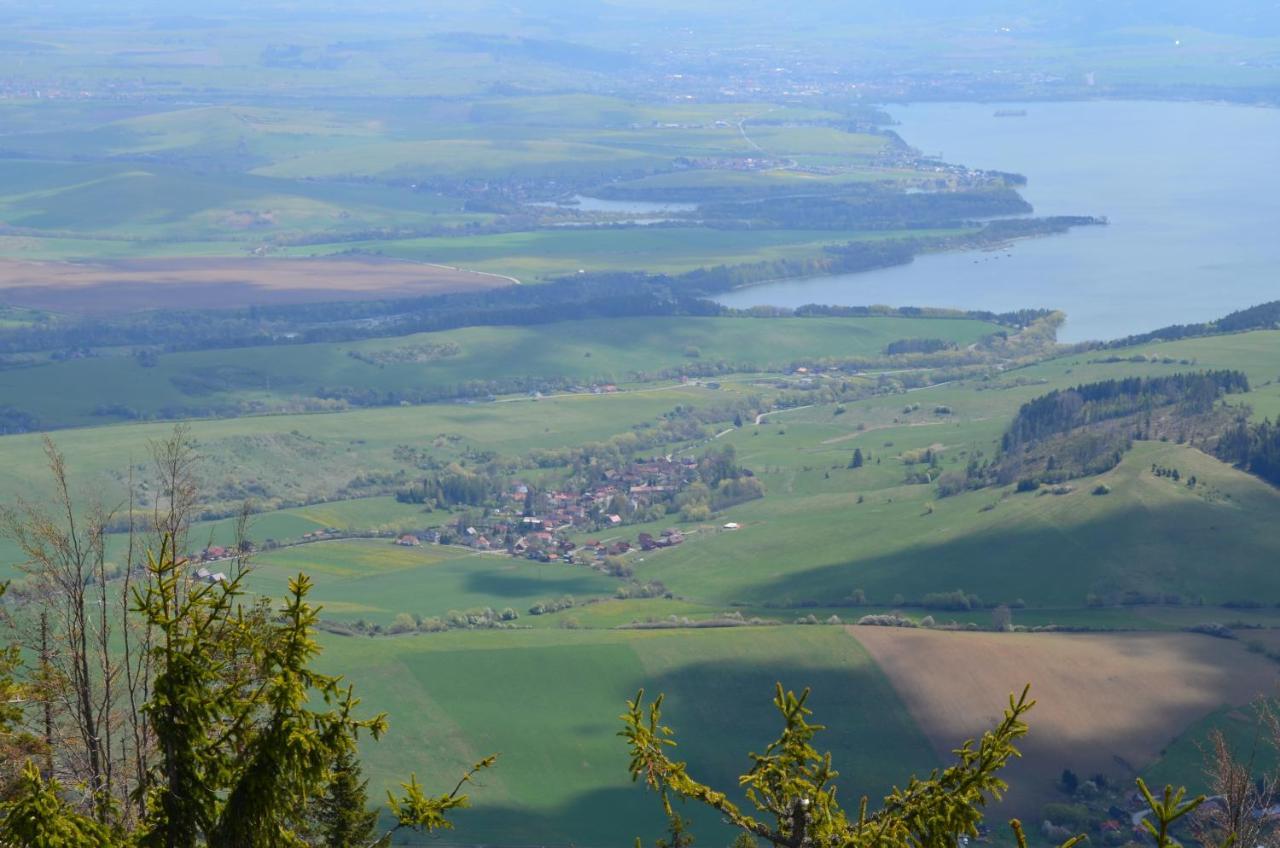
(1192, 191)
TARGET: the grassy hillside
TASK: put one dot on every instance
(1148, 535)
(604, 351)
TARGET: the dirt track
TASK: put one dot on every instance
(1106, 702)
(129, 285)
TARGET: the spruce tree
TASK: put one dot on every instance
(341, 816)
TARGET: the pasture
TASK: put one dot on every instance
(447, 363)
(547, 701)
(1148, 535)
(1105, 703)
(376, 579)
(151, 210)
(838, 529)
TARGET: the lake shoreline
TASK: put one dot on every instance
(1187, 186)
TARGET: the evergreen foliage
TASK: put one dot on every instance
(1264, 316)
(246, 730)
(1086, 430)
(1254, 448)
(1060, 411)
(792, 790)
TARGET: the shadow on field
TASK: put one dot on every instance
(523, 584)
(1196, 550)
(721, 711)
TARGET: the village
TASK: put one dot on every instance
(532, 523)
(539, 524)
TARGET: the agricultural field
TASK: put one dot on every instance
(219, 226)
(468, 183)
(547, 701)
(446, 364)
(546, 254)
(1148, 535)
(376, 580)
(143, 284)
(1105, 703)
(151, 209)
(308, 458)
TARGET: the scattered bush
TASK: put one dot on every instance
(1213, 628)
(885, 620)
(545, 607)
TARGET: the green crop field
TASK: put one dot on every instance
(547, 702)
(375, 579)
(324, 176)
(157, 205)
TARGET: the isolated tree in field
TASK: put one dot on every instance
(1002, 618)
(856, 461)
(1069, 781)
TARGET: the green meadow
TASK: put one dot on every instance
(546, 701)
(595, 351)
(376, 579)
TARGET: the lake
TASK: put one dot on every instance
(1192, 191)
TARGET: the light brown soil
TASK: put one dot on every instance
(197, 283)
(1105, 702)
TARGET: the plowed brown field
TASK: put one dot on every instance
(195, 283)
(1106, 702)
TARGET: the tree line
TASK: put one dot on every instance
(1253, 447)
(1264, 316)
(1077, 432)
(1092, 403)
(868, 208)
